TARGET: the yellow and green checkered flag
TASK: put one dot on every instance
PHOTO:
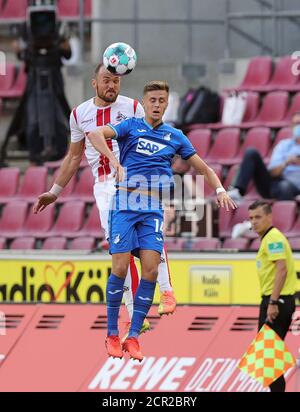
(267, 358)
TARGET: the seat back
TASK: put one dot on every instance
(258, 72)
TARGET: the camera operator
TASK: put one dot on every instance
(41, 120)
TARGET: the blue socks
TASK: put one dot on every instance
(114, 294)
(142, 303)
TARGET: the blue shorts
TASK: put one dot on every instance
(132, 230)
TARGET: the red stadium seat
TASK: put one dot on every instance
(272, 112)
(231, 175)
(14, 10)
(294, 107)
(200, 139)
(9, 178)
(252, 107)
(88, 8)
(241, 244)
(68, 8)
(284, 133)
(92, 226)
(284, 215)
(255, 244)
(240, 215)
(258, 138)
(18, 86)
(34, 183)
(225, 146)
(39, 225)
(84, 188)
(70, 220)
(55, 243)
(83, 243)
(2, 243)
(174, 244)
(251, 192)
(7, 81)
(23, 243)
(283, 77)
(258, 74)
(295, 242)
(204, 243)
(225, 222)
(295, 230)
(13, 218)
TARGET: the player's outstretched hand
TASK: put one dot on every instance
(43, 201)
(120, 173)
(223, 200)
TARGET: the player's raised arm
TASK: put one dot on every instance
(212, 179)
(68, 168)
(98, 139)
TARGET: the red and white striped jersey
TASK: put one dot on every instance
(87, 117)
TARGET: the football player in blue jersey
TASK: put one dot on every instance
(144, 172)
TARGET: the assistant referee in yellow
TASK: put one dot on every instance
(277, 276)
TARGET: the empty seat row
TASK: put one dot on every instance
(35, 181)
(261, 77)
(288, 222)
(275, 111)
(227, 148)
(16, 10)
(71, 222)
(51, 243)
(173, 244)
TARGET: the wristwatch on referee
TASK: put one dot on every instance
(273, 302)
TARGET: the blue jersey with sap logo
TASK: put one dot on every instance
(147, 152)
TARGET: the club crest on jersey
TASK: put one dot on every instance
(167, 136)
(148, 147)
(120, 117)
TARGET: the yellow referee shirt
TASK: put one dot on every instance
(275, 246)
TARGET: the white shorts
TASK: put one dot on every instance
(104, 192)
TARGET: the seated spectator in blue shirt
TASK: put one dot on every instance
(281, 179)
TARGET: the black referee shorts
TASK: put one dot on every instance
(286, 309)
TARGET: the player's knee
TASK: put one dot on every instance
(120, 268)
(150, 274)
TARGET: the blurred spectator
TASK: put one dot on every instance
(281, 180)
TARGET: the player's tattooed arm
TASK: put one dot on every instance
(98, 139)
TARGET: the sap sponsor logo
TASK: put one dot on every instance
(148, 147)
(222, 375)
(161, 373)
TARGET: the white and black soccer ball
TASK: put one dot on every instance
(119, 58)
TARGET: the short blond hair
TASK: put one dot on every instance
(156, 85)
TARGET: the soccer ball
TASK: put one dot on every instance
(119, 58)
